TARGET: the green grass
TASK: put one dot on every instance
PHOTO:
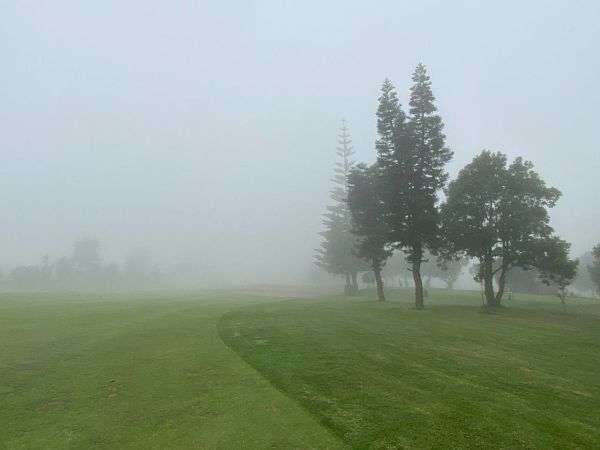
(452, 376)
(145, 372)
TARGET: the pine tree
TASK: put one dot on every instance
(424, 159)
(390, 123)
(337, 252)
(412, 155)
(368, 220)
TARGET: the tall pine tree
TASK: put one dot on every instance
(412, 155)
(337, 252)
(368, 220)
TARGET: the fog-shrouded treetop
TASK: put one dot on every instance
(337, 253)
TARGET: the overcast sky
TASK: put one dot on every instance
(207, 130)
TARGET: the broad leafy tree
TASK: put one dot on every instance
(336, 253)
(498, 213)
(553, 263)
(368, 218)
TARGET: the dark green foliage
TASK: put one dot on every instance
(499, 215)
(594, 268)
(337, 252)
(412, 155)
(368, 219)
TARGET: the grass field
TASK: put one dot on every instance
(218, 370)
(388, 376)
(148, 372)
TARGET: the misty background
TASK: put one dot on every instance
(206, 132)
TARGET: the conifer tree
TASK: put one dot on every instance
(412, 154)
(424, 161)
(368, 220)
(337, 252)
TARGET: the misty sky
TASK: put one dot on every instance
(206, 130)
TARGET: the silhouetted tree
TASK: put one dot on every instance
(594, 268)
(412, 155)
(368, 219)
(336, 254)
(583, 281)
(86, 255)
(553, 263)
(397, 267)
(499, 215)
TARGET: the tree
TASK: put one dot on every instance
(336, 253)
(138, 266)
(499, 215)
(397, 267)
(449, 270)
(554, 265)
(594, 268)
(368, 218)
(583, 281)
(412, 155)
(86, 255)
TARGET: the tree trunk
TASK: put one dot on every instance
(488, 281)
(354, 283)
(379, 282)
(416, 271)
(501, 286)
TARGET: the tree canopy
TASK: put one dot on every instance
(368, 218)
(498, 213)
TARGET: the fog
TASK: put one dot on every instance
(206, 131)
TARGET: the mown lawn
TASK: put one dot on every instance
(144, 372)
(452, 376)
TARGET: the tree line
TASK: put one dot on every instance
(495, 212)
(84, 269)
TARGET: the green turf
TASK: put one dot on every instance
(148, 372)
(452, 376)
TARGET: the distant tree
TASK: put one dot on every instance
(336, 253)
(368, 278)
(554, 265)
(397, 267)
(86, 255)
(64, 271)
(412, 155)
(526, 281)
(368, 218)
(583, 281)
(138, 266)
(594, 267)
(449, 270)
(499, 215)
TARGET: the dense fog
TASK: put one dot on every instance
(204, 133)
